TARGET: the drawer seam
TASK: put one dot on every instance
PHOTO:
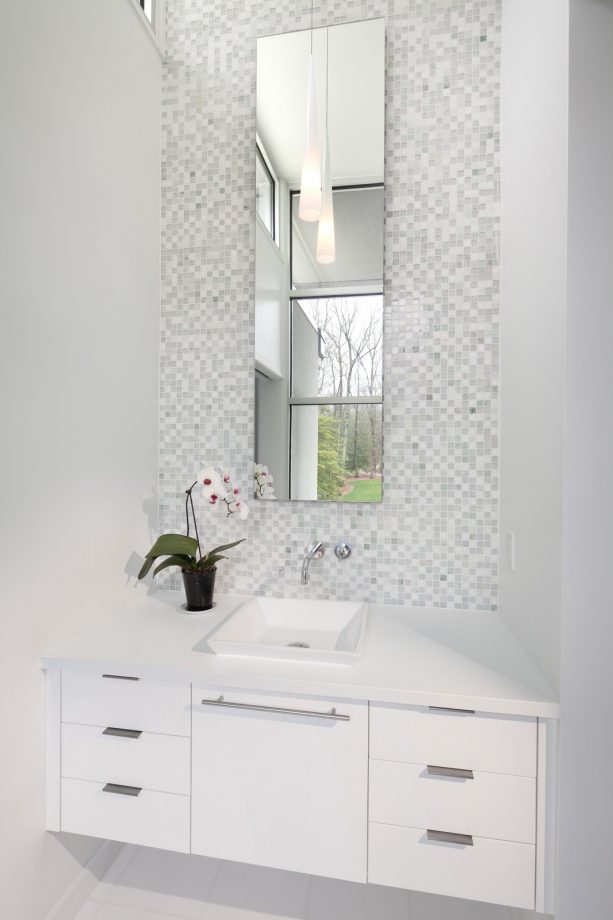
(413, 827)
(413, 763)
(143, 730)
(93, 782)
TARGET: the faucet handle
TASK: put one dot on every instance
(343, 550)
(316, 550)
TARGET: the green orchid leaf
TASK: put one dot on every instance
(169, 544)
(207, 561)
(145, 567)
(173, 544)
(185, 562)
(221, 549)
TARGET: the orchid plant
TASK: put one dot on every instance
(263, 482)
(185, 551)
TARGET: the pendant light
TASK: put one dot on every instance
(309, 207)
(326, 249)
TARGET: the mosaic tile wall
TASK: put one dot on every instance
(434, 539)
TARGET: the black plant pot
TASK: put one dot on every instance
(199, 588)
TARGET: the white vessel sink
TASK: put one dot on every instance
(293, 630)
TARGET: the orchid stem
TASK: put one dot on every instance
(191, 502)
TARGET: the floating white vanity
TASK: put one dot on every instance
(430, 764)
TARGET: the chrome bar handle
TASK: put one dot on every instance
(118, 789)
(464, 840)
(466, 712)
(122, 732)
(333, 714)
(451, 772)
(120, 677)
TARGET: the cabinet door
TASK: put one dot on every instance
(282, 789)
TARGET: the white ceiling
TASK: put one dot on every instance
(356, 80)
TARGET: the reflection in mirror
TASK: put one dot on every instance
(358, 222)
(319, 263)
(265, 193)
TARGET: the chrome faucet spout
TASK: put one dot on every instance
(314, 551)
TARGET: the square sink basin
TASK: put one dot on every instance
(328, 632)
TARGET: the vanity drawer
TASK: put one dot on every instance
(489, 870)
(453, 738)
(152, 819)
(157, 762)
(488, 805)
(94, 699)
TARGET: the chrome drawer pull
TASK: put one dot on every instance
(122, 790)
(333, 714)
(120, 677)
(466, 712)
(122, 732)
(452, 772)
(464, 840)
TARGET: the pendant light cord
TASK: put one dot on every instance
(327, 79)
(312, 2)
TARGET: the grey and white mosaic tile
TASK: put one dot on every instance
(434, 539)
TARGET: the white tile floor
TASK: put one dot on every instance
(146, 884)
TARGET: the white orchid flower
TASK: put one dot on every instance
(213, 497)
(237, 506)
(263, 487)
(210, 479)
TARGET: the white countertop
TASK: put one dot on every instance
(419, 656)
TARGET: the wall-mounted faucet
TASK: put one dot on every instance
(314, 551)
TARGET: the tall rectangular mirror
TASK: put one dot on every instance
(319, 263)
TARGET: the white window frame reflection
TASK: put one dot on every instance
(262, 156)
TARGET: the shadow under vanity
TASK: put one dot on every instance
(427, 765)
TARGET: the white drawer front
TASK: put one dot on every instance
(157, 762)
(490, 870)
(91, 699)
(479, 741)
(152, 819)
(489, 805)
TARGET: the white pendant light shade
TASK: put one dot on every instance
(326, 250)
(310, 183)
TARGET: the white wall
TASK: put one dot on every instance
(79, 298)
(586, 795)
(534, 134)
